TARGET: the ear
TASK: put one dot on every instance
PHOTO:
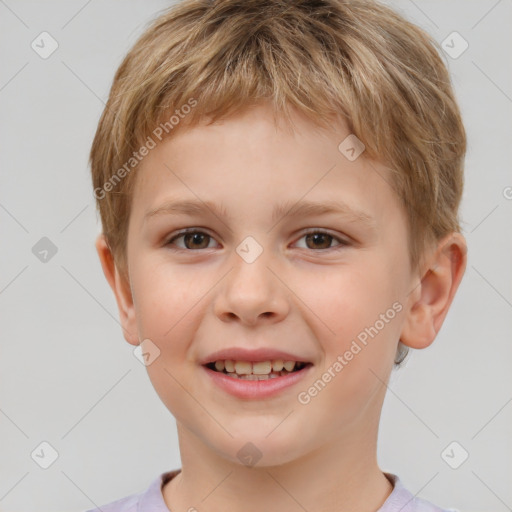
(432, 298)
(121, 288)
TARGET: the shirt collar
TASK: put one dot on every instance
(153, 500)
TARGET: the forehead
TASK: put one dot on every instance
(252, 163)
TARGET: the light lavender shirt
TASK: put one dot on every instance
(152, 500)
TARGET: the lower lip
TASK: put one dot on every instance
(256, 389)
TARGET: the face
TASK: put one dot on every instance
(257, 271)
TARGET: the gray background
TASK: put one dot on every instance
(68, 377)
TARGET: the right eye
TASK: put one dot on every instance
(193, 240)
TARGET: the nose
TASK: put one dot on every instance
(251, 293)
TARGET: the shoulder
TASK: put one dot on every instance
(150, 499)
(403, 500)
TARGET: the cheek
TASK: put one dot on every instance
(347, 299)
(361, 318)
(168, 313)
(164, 299)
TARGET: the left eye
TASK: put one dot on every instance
(196, 240)
(322, 239)
(192, 237)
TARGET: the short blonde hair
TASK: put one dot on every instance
(357, 59)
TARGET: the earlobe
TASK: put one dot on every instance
(431, 300)
(121, 288)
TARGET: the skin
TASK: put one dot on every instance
(311, 298)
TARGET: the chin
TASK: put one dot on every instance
(256, 448)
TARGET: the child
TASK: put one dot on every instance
(257, 129)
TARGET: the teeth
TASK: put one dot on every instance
(243, 367)
(272, 375)
(257, 369)
(277, 365)
(262, 368)
(289, 365)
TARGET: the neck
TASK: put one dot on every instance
(336, 477)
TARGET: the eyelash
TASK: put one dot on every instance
(342, 243)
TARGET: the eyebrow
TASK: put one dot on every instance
(288, 209)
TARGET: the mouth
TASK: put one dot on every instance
(257, 370)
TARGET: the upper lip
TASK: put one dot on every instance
(254, 355)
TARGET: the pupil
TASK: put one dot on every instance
(196, 238)
(317, 236)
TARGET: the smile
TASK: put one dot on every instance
(258, 370)
(256, 380)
